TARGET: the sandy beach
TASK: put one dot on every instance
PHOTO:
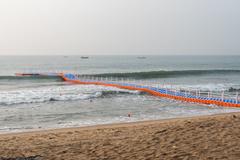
(205, 137)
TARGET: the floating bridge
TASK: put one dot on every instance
(208, 98)
(200, 97)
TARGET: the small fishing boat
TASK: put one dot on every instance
(141, 57)
(84, 57)
(36, 74)
(27, 74)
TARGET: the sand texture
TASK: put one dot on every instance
(207, 137)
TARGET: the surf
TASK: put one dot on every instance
(58, 93)
(166, 73)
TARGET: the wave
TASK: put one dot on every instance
(110, 93)
(15, 78)
(59, 93)
(136, 75)
(231, 89)
(166, 74)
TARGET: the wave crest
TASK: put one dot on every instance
(58, 93)
(166, 74)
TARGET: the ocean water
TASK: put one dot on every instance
(30, 103)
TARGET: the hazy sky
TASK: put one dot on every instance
(119, 27)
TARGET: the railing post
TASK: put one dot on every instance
(237, 97)
(222, 95)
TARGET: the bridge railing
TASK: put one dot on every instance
(219, 95)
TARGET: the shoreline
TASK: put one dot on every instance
(202, 137)
(114, 125)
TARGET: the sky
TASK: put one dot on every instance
(113, 27)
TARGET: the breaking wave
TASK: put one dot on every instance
(58, 93)
(166, 74)
(55, 78)
(137, 75)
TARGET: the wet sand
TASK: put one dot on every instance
(205, 137)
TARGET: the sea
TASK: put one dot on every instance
(36, 103)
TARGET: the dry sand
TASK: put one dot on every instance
(206, 137)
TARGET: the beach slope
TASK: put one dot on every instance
(206, 137)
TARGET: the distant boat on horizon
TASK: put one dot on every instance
(141, 57)
(84, 57)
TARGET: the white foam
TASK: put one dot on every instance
(54, 93)
(204, 87)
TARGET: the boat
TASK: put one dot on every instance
(141, 57)
(36, 74)
(84, 57)
(27, 74)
